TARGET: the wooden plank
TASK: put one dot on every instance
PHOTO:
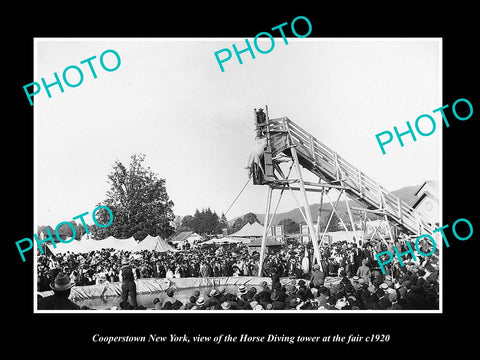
(325, 163)
(359, 177)
(312, 150)
(301, 137)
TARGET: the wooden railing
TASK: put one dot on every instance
(328, 165)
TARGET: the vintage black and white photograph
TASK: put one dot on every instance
(191, 174)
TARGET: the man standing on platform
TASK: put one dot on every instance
(127, 277)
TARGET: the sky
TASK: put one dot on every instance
(169, 100)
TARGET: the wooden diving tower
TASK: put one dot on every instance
(286, 142)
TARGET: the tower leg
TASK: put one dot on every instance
(307, 209)
(351, 219)
(265, 230)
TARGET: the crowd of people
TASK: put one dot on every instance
(360, 284)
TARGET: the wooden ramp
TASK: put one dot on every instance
(283, 135)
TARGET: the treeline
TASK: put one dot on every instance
(207, 223)
(65, 231)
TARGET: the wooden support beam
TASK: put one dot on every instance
(316, 250)
(330, 218)
(319, 213)
(297, 188)
(265, 230)
(312, 149)
(360, 186)
(399, 207)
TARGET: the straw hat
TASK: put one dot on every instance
(62, 283)
(200, 301)
(253, 304)
(226, 305)
(383, 286)
(242, 289)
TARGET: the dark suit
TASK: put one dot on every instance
(384, 303)
(366, 254)
(128, 285)
(357, 260)
(278, 305)
(395, 306)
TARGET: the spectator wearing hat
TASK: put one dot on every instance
(213, 301)
(253, 304)
(324, 293)
(276, 303)
(364, 271)
(275, 276)
(199, 304)
(196, 293)
(169, 298)
(292, 303)
(306, 290)
(383, 298)
(377, 277)
(263, 296)
(226, 305)
(251, 293)
(242, 292)
(318, 276)
(393, 299)
(191, 303)
(178, 305)
(291, 292)
(157, 305)
(128, 282)
(241, 305)
(59, 300)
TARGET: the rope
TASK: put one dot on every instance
(244, 186)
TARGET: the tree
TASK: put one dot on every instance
(250, 218)
(205, 221)
(177, 223)
(241, 221)
(289, 226)
(139, 202)
(187, 224)
(222, 224)
(237, 225)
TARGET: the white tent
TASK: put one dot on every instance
(153, 243)
(86, 245)
(119, 244)
(249, 230)
(74, 246)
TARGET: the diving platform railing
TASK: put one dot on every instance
(283, 134)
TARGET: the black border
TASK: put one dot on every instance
(413, 334)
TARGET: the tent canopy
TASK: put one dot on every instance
(154, 243)
(87, 245)
(249, 230)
